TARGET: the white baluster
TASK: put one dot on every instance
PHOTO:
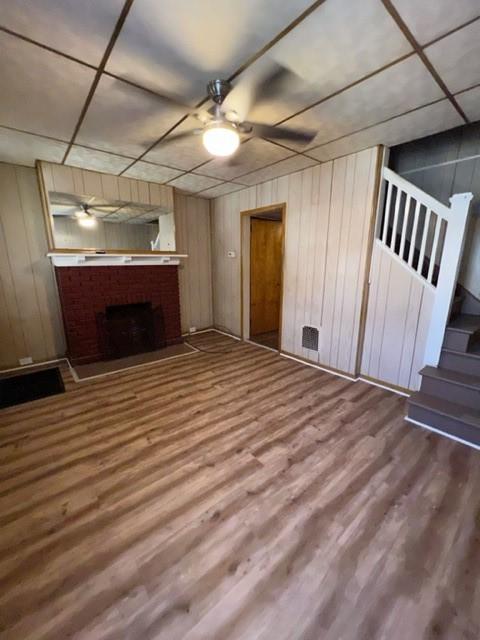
(395, 220)
(387, 213)
(406, 215)
(438, 224)
(414, 234)
(424, 242)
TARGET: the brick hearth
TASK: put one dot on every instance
(87, 291)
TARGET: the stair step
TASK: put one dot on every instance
(466, 323)
(451, 385)
(463, 362)
(449, 417)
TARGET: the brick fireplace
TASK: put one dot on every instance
(87, 295)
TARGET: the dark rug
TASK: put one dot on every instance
(30, 386)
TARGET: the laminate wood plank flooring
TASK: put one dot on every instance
(230, 495)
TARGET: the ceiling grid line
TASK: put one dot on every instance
(113, 38)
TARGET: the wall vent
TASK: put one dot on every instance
(310, 338)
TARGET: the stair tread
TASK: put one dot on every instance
(465, 322)
(464, 379)
(446, 408)
(473, 352)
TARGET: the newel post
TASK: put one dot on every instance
(448, 274)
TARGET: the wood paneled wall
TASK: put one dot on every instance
(192, 220)
(398, 318)
(328, 216)
(30, 317)
(65, 179)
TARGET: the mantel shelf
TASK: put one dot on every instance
(114, 259)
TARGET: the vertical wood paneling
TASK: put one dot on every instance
(103, 185)
(398, 318)
(30, 314)
(192, 217)
(328, 215)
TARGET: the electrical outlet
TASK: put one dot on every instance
(231, 254)
(192, 329)
(24, 361)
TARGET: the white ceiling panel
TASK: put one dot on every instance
(178, 46)
(24, 148)
(193, 182)
(185, 154)
(151, 172)
(221, 190)
(40, 91)
(96, 160)
(253, 154)
(124, 119)
(328, 51)
(419, 123)
(456, 57)
(470, 103)
(80, 29)
(430, 19)
(399, 88)
(290, 165)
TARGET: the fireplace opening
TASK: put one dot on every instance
(132, 328)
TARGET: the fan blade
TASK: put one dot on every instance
(179, 136)
(273, 83)
(281, 133)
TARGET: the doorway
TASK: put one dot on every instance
(262, 263)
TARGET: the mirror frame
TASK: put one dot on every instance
(47, 216)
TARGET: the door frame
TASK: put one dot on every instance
(245, 266)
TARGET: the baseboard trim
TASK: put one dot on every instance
(320, 367)
(443, 433)
(262, 346)
(24, 367)
(401, 391)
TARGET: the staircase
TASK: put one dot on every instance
(449, 396)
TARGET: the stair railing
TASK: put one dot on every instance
(428, 237)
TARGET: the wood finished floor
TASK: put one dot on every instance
(234, 495)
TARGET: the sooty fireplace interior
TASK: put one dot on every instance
(128, 329)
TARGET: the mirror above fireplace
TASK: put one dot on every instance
(88, 212)
(93, 223)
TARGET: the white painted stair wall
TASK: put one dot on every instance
(408, 308)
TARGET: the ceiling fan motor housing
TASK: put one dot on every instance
(218, 90)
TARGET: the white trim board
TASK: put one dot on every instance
(442, 433)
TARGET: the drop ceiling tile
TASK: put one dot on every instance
(178, 46)
(124, 119)
(221, 190)
(253, 154)
(470, 103)
(328, 51)
(184, 154)
(24, 148)
(40, 91)
(456, 57)
(80, 29)
(399, 88)
(193, 182)
(96, 160)
(417, 124)
(430, 19)
(290, 165)
(151, 172)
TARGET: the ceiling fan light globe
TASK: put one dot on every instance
(81, 214)
(221, 140)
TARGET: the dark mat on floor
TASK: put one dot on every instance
(30, 386)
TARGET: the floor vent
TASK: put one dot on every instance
(310, 338)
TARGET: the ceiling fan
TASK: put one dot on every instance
(223, 123)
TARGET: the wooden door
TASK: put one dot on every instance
(266, 240)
